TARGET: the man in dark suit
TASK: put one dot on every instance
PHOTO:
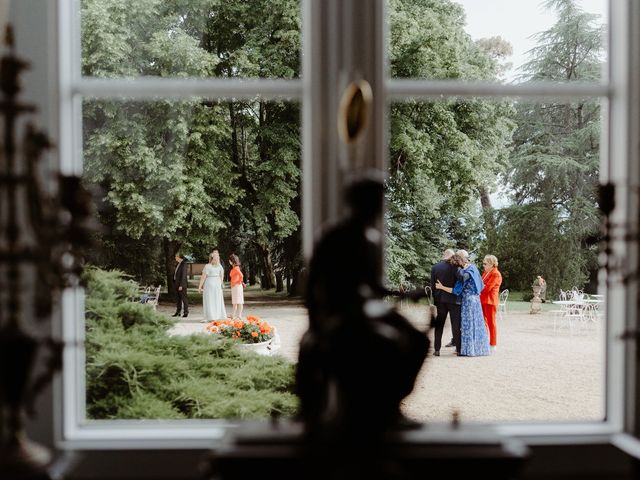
(180, 284)
(447, 303)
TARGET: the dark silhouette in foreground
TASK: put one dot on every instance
(360, 357)
(358, 360)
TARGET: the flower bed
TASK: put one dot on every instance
(250, 330)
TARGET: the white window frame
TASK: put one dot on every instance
(336, 57)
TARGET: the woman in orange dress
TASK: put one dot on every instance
(489, 297)
(237, 286)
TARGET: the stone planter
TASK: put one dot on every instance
(270, 347)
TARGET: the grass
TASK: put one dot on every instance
(516, 304)
(519, 306)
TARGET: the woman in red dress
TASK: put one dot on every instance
(489, 297)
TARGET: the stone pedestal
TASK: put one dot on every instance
(536, 301)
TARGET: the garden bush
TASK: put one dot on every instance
(135, 370)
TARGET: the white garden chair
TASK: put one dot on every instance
(558, 313)
(572, 310)
(152, 295)
(502, 302)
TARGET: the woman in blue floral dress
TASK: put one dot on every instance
(474, 339)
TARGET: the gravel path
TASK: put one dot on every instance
(536, 374)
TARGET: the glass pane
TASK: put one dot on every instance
(498, 40)
(517, 181)
(199, 38)
(184, 178)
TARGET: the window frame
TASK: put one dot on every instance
(337, 58)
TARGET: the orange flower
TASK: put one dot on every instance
(241, 330)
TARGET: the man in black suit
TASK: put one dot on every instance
(447, 303)
(180, 284)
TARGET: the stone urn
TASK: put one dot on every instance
(536, 301)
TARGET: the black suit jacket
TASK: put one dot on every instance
(180, 276)
(447, 274)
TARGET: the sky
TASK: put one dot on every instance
(516, 21)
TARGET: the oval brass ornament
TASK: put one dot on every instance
(354, 110)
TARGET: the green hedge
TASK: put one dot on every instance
(135, 370)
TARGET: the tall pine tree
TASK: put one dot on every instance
(554, 166)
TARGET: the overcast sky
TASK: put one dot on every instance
(516, 21)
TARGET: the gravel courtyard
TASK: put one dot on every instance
(538, 373)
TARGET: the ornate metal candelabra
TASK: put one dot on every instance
(45, 221)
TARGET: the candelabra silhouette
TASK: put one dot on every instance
(45, 223)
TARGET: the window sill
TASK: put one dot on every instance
(144, 435)
(168, 450)
(203, 434)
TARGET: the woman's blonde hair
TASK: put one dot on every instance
(214, 255)
(492, 259)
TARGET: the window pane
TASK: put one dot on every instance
(518, 181)
(236, 38)
(187, 177)
(498, 40)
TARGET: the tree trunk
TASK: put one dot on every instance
(279, 282)
(251, 274)
(489, 219)
(268, 277)
(170, 248)
(298, 283)
(235, 155)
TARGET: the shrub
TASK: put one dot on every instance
(136, 370)
(131, 314)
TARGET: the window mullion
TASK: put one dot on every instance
(402, 89)
(150, 87)
(343, 41)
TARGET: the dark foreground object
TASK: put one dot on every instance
(280, 452)
(360, 357)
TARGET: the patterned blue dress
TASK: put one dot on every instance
(474, 339)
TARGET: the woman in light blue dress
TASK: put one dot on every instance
(211, 284)
(474, 339)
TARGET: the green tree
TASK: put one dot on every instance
(251, 41)
(553, 173)
(444, 154)
(153, 161)
(192, 174)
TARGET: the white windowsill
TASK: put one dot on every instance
(144, 435)
(206, 434)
